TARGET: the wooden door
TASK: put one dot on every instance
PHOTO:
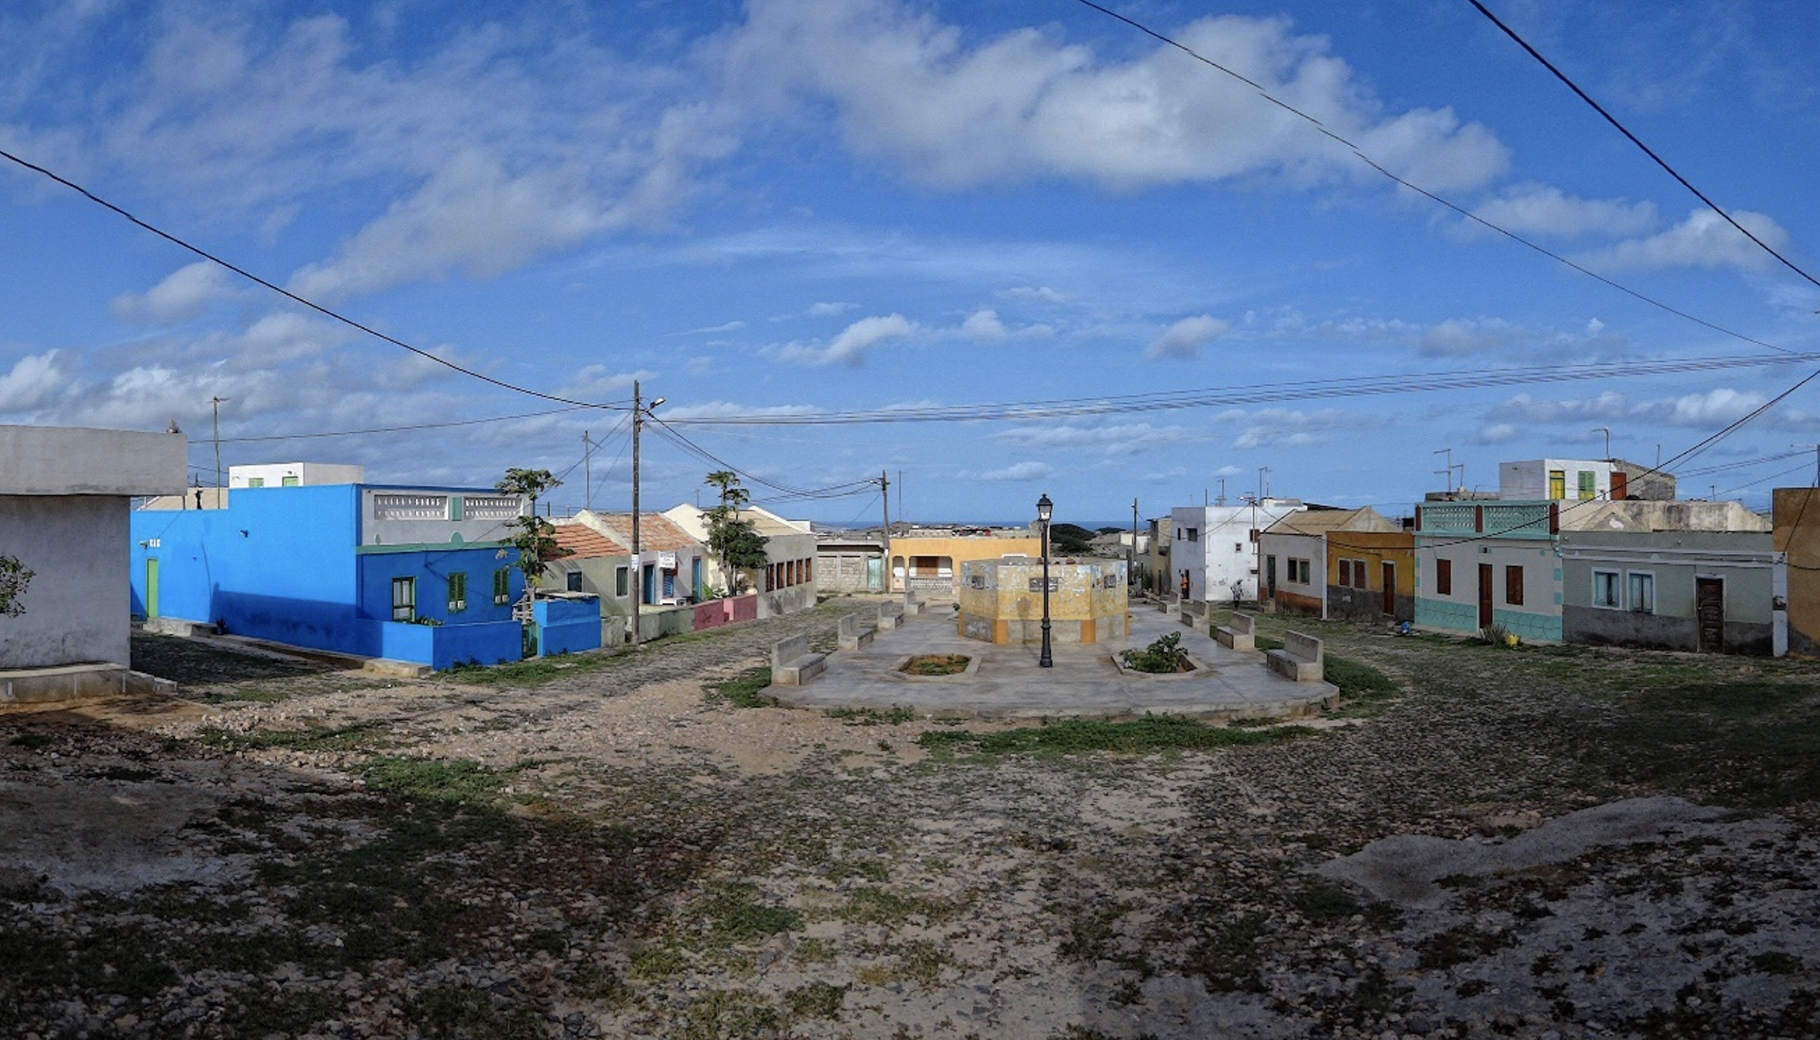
(1484, 594)
(151, 586)
(1709, 611)
(1390, 588)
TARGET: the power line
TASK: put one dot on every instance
(295, 298)
(1367, 160)
(1621, 128)
(1257, 393)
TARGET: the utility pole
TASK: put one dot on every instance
(1222, 491)
(1607, 431)
(884, 499)
(638, 565)
(1448, 472)
(1131, 555)
(220, 499)
(587, 471)
(1263, 482)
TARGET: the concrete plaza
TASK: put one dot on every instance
(1006, 681)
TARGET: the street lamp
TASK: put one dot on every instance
(1044, 509)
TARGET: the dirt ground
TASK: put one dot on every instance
(1542, 842)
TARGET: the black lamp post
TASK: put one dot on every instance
(1044, 509)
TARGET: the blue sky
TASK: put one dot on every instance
(791, 207)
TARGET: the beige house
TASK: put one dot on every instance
(786, 583)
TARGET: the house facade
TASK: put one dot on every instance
(928, 560)
(1213, 551)
(1313, 562)
(672, 564)
(1707, 591)
(420, 574)
(1796, 515)
(65, 502)
(786, 583)
(849, 562)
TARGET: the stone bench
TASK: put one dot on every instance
(912, 605)
(1300, 658)
(1241, 633)
(792, 664)
(1193, 611)
(853, 632)
(890, 615)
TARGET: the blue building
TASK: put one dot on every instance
(406, 573)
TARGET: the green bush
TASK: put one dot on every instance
(1163, 657)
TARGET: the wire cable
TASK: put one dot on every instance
(295, 298)
(1646, 149)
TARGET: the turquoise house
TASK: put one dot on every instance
(1484, 563)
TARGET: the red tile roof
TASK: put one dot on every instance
(582, 540)
(656, 532)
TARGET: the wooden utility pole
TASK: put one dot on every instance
(638, 565)
(587, 471)
(1131, 556)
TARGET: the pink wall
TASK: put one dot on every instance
(718, 612)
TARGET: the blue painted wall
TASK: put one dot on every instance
(282, 564)
(568, 626)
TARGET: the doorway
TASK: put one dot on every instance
(1484, 595)
(151, 587)
(1390, 588)
(1709, 612)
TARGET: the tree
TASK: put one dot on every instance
(14, 577)
(733, 539)
(532, 535)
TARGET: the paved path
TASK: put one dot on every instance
(1084, 681)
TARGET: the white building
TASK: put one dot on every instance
(1216, 547)
(64, 501)
(1557, 480)
(294, 474)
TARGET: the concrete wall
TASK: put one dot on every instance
(78, 604)
(960, 550)
(1088, 601)
(1375, 548)
(1797, 534)
(1302, 596)
(1539, 616)
(1221, 555)
(62, 460)
(1745, 561)
(847, 570)
(274, 473)
(1529, 479)
(567, 625)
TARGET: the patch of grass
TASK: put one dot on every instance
(744, 690)
(659, 962)
(814, 951)
(891, 716)
(1164, 656)
(1152, 733)
(736, 914)
(816, 1000)
(1264, 642)
(470, 1013)
(600, 983)
(1746, 743)
(458, 781)
(872, 905)
(1324, 901)
(1360, 684)
(33, 741)
(1775, 962)
(718, 1014)
(937, 664)
(1224, 956)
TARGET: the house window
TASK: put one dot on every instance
(502, 587)
(458, 592)
(255, 482)
(1642, 592)
(1605, 589)
(404, 599)
(1443, 577)
(288, 482)
(1513, 586)
(1588, 488)
(573, 581)
(1360, 579)
(1557, 483)
(1298, 571)
(622, 581)
(1345, 573)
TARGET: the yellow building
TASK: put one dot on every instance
(928, 561)
(1001, 601)
(1797, 527)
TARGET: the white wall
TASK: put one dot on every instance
(1528, 480)
(79, 603)
(64, 460)
(1221, 554)
(307, 473)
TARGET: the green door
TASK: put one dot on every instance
(151, 587)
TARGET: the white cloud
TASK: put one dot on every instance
(1717, 407)
(1524, 409)
(948, 111)
(1458, 338)
(1704, 239)
(1020, 471)
(823, 310)
(1185, 338)
(729, 409)
(33, 379)
(182, 295)
(1040, 293)
(851, 345)
(726, 326)
(1117, 439)
(1497, 433)
(984, 325)
(1537, 209)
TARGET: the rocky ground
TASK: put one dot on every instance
(1534, 842)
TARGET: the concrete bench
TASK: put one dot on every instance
(1241, 633)
(912, 605)
(1300, 658)
(890, 615)
(1193, 611)
(792, 664)
(854, 633)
